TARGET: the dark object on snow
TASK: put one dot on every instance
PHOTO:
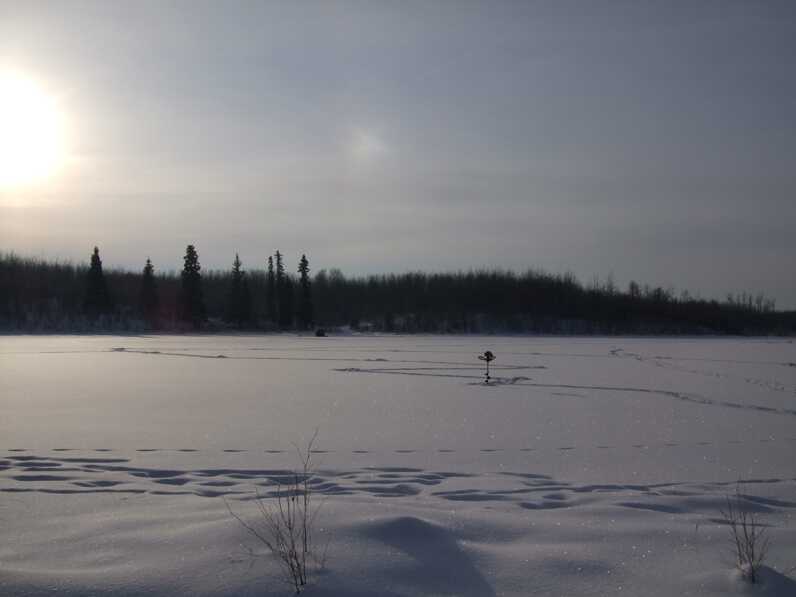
(488, 357)
(320, 333)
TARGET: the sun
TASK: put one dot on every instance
(31, 132)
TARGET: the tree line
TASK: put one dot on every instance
(37, 295)
(184, 306)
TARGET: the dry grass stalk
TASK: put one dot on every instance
(286, 528)
(748, 537)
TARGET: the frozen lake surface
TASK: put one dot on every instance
(590, 466)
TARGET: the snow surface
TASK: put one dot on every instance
(591, 466)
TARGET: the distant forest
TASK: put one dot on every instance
(42, 296)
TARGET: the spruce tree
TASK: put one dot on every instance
(284, 293)
(192, 307)
(280, 269)
(239, 301)
(148, 300)
(98, 300)
(270, 293)
(305, 306)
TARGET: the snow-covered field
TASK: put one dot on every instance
(591, 466)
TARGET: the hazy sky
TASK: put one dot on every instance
(647, 140)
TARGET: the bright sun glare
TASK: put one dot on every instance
(31, 135)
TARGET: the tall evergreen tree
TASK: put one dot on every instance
(284, 293)
(192, 306)
(280, 268)
(239, 300)
(305, 306)
(98, 300)
(270, 293)
(149, 303)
